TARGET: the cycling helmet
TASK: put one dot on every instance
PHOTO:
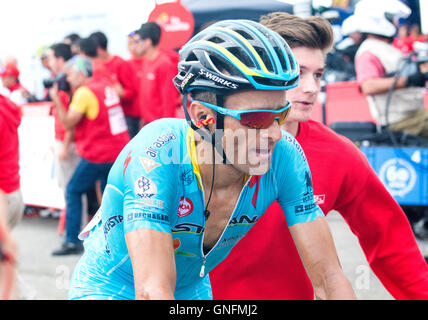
(235, 55)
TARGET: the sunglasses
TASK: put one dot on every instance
(255, 119)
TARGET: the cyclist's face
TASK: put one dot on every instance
(304, 96)
(250, 150)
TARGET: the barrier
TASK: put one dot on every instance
(345, 102)
(37, 159)
(403, 171)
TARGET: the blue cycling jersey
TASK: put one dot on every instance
(155, 183)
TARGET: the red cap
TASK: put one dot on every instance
(9, 70)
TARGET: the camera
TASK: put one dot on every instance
(60, 79)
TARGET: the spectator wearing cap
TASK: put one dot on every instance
(122, 73)
(157, 95)
(14, 90)
(100, 128)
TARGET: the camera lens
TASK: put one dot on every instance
(48, 83)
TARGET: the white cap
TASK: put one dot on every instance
(379, 8)
(350, 25)
(371, 17)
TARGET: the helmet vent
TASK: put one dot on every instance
(265, 58)
(224, 67)
(242, 55)
(192, 57)
(244, 34)
(216, 40)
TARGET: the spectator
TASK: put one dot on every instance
(376, 64)
(88, 48)
(136, 62)
(402, 42)
(10, 119)
(158, 97)
(342, 180)
(122, 73)
(101, 133)
(7, 254)
(415, 34)
(73, 40)
(66, 155)
(14, 89)
(131, 44)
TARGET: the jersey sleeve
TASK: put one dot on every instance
(294, 183)
(150, 181)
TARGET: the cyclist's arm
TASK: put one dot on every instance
(153, 264)
(316, 248)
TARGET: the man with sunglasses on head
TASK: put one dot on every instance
(182, 193)
(343, 180)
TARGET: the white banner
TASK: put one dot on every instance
(37, 162)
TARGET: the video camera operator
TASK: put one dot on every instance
(379, 69)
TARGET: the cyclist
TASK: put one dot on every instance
(181, 194)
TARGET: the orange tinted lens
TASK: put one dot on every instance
(258, 120)
(262, 119)
(283, 116)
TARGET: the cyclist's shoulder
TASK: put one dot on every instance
(160, 132)
(161, 142)
(287, 146)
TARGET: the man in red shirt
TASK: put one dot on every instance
(10, 119)
(269, 264)
(158, 96)
(123, 76)
(100, 128)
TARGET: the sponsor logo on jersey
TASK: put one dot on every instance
(213, 77)
(185, 207)
(188, 228)
(150, 202)
(145, 188)
(152, 151)
(243, 220)
(148, 164)
(145, 215)
(304, 209)
(176, 244)
(126, 163)
(187, 177)
(319, 198)
(111, 222)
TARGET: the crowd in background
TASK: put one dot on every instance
(99, 102)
